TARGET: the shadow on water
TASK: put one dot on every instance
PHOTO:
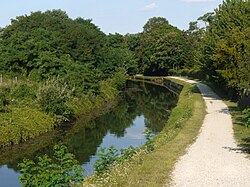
(84, 137)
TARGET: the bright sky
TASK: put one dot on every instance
(122, 16)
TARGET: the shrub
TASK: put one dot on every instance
(52, 98)
(3, 100)
(149, 145)
(107, 89)
(107, 156)
(246, 117)
(60, 170)
(23, 91)
(119, 79)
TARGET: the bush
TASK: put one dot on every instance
(52, 99)
(106, 158)
(60, 170)
(3, 100)
(23, 91)
(149, 145)
(110, 87)
(119, 79)
(246, 117)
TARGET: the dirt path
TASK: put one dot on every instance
(214, 159)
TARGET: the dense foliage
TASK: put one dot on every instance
(60, 170)
(216, 47)
(57, 68)
(46, 44)
(226, 45)
(159, 48)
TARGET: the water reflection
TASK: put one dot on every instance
(143, 106)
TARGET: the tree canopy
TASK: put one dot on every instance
(50, 44)
(226, 45)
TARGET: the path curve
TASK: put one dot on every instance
(213, 160)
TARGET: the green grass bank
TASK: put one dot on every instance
(154, 168)
(29, 109)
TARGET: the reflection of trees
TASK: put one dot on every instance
(154, 103)
(119, 119)
(83, 138)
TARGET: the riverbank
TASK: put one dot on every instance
(29, 109)
(11, 154)
(154, 168)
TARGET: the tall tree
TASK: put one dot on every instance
(226, 45)
(154, 23)
(161, 47)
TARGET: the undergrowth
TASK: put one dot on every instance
(28, 109)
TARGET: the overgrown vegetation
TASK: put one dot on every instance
(246, 117)
(152, 168)
(56, 68)
(108, 157)
(60, 170)
(27, 112)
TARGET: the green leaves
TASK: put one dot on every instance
(227, 45)
(154, 23)
(161, 48)
(60, 170)
(52, 98)
(246, 117)
(107, 156)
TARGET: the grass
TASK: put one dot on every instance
(154, 169)
(22, 117)
(241, 132)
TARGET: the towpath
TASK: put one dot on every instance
(214, 160)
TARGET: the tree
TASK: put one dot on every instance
(226, 45)
(161, 48)
(50, 44)
(116, 55)
(154, 23)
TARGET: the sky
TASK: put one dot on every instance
(111, 16)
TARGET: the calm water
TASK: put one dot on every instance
(142, 106)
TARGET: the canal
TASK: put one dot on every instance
(142, 105)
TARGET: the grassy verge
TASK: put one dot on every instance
(154, 168)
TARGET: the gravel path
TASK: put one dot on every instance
(214, 159)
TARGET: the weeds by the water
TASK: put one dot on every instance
(28, 109)
(108, 157)
(60, 170)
